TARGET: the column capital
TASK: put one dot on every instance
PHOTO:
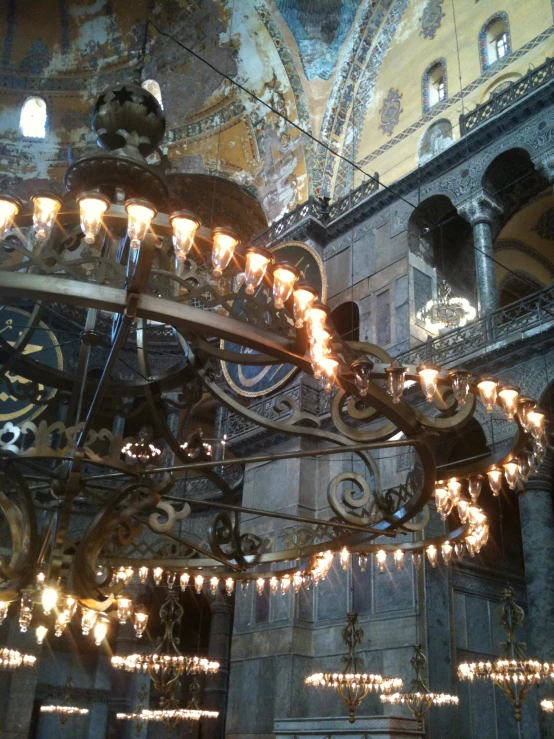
(482, 208)
(543, 479)
(545, 165)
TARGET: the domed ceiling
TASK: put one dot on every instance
(297, 55)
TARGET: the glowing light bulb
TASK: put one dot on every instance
(260, 583)
(61, 623)
(455, 489)
(328, 367)
(70, 606)
(399, 559)
(395, 381)
(344, 558)
(476, 517)
(257, 261)
(285, 584)
(471, 545)
(432, 554)
(284, 278)
(41, 632)
(381, 557)
(487, 390)
(495, 480)
(508, 395)
(3, 610)
(443, 501)
(198, 583)
(535, 420)
(273, 585)
(416, 559)
(41, 577)
(140, 620)
(140, 214)
(511, 473)
(361, 368)
(459, 550)
(92, 206)
(158, 574)
(428, 374)
(229, 586)
(88, 620)
(225, 242)
(297, 581)
(524, 406)
(459, 380)
(363, 559)
(143, 574)
(124, 608)
(45, 211)
(214, 585)
(25, 611)
(320, 345)
(170, 579)
(474, 485)
(185, 226)
(447, 551)
(462, 506)
(100, 631)
(9, 208)
(184, 580)
(304, 297)
(49, 599)
(315, 319)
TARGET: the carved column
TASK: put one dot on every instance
(219, 649)
(545, 166)
(481, 212)
(537, 525)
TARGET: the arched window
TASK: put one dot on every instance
(346, 321)
(494, 40)
(154, 89)
(434, 86)
(33, 118)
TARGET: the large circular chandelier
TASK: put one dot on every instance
(126, 268)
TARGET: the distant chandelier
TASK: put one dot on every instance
(351, 684)
(11, 659)
(419, 698)
(65, 710)
(514, 675)
(446, 311)
(547, 705)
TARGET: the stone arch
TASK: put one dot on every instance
(345, 319)
(499, 84)
(436, 139)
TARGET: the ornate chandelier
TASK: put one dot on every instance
(65, 710)
(419, 698)
(446, 311)
(514, 675)
(351, 684)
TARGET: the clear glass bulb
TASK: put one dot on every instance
(257, 261)
(487, 390)
(285, 584)
(124, 608)
(432, 555)
(9, 208)
(511, 473)
(524, 406)
(455, 489)
(41, 632)
(140, 621)
(229, 586)
(399, 559)
(273, 585)
(304, 297)
(327, 366)
(471, 545)
(476, 517)
(198, 583)
(508, 397)
(428, 374)
(214, 585)
(260, 582)
(140, 214)
(416, 560)
(3, 610)
(344, 558)
(92, 207)
(184, 580)
(362, 562)
(49, 599)
(170, 579)
(158, 574)
(447, 551)
(297, 581)
(143, 574)
(25, 611)
(100, 631)
(61, 623)
(442, 501)
(460, 385)
(495, 480)
(395, 381)
(462, 506)
(70, 606)
(535, 420)
(474, 486)
(381, 558)
(184, 226)
(88, 620)
(459, 549)
(284, 278)
(45, 212)
(224, 245)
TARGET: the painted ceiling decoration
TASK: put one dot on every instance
(319, 27)
(432, 18)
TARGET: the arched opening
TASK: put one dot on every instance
(437, 138)
(346, 321)
(153, 88)
(518, 285)
(434, 84)
(34, 114)
(494, 40)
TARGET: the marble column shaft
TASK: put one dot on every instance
(219, 649)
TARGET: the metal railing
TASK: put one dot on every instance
(500, 101)
(505, 325)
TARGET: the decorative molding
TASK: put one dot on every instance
(391, 110)
(426, 83)
(525, 249)
(483, 40)
(544, 227)
(431, 19)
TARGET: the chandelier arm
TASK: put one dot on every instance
(358, 435)
(22, 341)
(453, 417)
(483, 463)
(236, 357)
(21, 520)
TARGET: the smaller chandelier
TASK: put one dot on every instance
(141, 450)
(446, 311)
(11, 659)
(351, 685)
(419, 698)
(65, 710)
(513, 674)
(547, 705)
